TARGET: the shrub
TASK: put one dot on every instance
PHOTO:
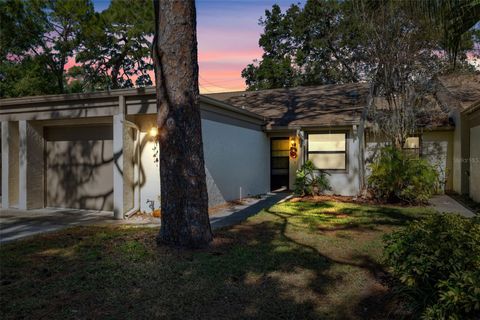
(436, 262)
(310, 180)
(397, 176)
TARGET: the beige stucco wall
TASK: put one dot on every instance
(437, 147)
(345, 183)
(13, 163)
(237, 162)
(35, 166)
(129, 164)
(475, 163)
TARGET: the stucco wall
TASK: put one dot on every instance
(149, 178)
(35, 166)
(236, 159)
(128, 167)
(13, 163)
(346, 183)
(437, 147)
(475, 163)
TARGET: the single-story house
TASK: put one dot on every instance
(98, 151)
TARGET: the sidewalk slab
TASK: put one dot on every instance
(443, 204)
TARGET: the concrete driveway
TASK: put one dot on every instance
(16, 224)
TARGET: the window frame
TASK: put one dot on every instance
(420, 145)
(308, 152)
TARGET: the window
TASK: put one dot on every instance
(412, 145)
(327, 151)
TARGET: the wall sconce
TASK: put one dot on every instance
(153, 132)
(293, 148)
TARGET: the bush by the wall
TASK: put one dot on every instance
(437, 264)
(310, 181)
(397, 176)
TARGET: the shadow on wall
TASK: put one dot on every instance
(79, 167)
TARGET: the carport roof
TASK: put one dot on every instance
(142, 100)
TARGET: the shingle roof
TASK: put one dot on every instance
(462, 90)
(340, 105)
(326, 105)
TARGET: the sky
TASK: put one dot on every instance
(227, 34)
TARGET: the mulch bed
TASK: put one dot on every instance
(346, 199)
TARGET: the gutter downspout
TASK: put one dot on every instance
(136, 206)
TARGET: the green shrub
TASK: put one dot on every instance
(436, 262)
(310, 180)
(397, 176)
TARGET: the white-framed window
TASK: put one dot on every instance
(412, 145)
(328, 151)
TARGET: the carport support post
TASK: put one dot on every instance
(118, 122)
(5, 164)
(22, 157)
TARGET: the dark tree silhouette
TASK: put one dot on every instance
(184, 199)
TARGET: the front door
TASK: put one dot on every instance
(279, 163)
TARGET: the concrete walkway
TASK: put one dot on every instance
(443, 203)
(17, 224)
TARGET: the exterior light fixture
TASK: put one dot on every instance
(154, 132)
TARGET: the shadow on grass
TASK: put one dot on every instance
(253, 270)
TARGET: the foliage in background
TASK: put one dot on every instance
(115, 50)
(400, 176)
(403, 53)
(319, 43)
(327, 42)
(310, 181)
(39, 37)
(437, 264)
(36, 40)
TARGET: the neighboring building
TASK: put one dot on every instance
(462, 95)
(94, 151)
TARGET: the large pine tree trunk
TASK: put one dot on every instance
(184, 198)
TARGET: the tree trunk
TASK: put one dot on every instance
(184, 199)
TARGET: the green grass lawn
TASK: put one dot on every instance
(295, 260)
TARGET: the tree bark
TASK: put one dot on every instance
(184, 199)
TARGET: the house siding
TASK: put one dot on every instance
(237, 162)
(437, 148)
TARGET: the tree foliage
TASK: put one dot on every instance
(40, 38)
(318, 43)
(115, 50)
(327, 42)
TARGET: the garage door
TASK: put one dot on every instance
(79, 167)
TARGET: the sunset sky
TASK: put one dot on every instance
(228, 34)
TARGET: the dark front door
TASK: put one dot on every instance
(279, 156)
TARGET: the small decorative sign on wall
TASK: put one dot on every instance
(293, 148)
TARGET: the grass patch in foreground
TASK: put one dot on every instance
(294, 260)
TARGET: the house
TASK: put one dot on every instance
(98, 151)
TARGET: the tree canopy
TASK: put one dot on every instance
(326, 42)
(40, 38)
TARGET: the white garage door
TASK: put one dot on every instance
(79, 167)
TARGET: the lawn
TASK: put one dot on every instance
(317, 260)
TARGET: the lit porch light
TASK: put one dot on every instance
(154, 132)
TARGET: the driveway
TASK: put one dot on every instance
(17, 224)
